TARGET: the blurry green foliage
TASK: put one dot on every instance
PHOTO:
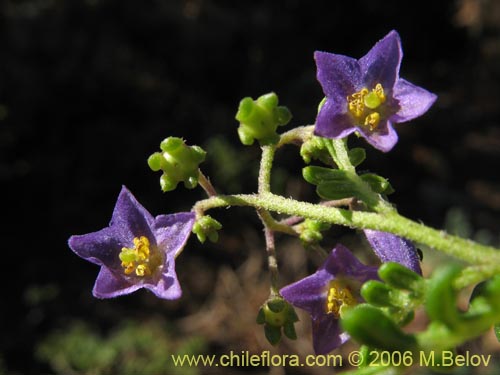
(132, 348)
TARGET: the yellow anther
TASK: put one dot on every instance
(338, 296)
(362, 105)
(372, 120)
(355, 102)
(379, 90)
(137, 258)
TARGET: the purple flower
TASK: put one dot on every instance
(391, 248)
(324, 294)
(136, 250)
(367, 95)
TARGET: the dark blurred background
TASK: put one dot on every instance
(88, 89)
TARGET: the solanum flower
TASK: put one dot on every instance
(392, 248)
(326, 293)
(136, 250)
(366, 95)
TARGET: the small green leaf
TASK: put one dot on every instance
(497, 331)
(441, 297)
(316, 175)
(400, 277)
(377, 183)
(378, 294)
(370, 326)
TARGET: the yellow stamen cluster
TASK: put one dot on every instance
(362, 105)
(339, 296)
(137, 258)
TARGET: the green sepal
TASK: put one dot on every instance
(178, 162)
(207, 227)
(370, 326)
(260, 118)
(378, 294)
(261, 316)
(273, 334)
(378, 183)
(357, 156)
(289, 331)
(441, 298)
(400, 277)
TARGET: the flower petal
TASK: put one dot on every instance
(333, 121)
(381, 64)
(168, 286)
(339, 75)
(383, 139)
(172, 231)
(130, 218)
(392, 248)
(414, 101)
(108, 285)
(327, 334)
(309, 293)
(341, 262)
(101, 247)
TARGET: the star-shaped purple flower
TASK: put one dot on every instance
(324, 294)
(136, 250)
(367, 96)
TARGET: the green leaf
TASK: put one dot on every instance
(378, 294)
(370, 326)
(378, 183)
(497, 331)
(441, 297)
(400, 277)
(316, 175)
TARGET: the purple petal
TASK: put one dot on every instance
(167, 287)
(101, 247)
(338, 75)
(414, 101)
(327, 334)
(333, 121)
(130, 218)
(383, 139)
(381, 64)
(392, 248)
(108, 285)
(172, 231)
(341, 262)
(309, 293)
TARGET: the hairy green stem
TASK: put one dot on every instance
(392, 222)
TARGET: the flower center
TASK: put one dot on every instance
(138, 259)
(339, 296)
(362, 105)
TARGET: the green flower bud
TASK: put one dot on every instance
(276, 314)
(314, 148)
(206, 226)
(178, 162)
(260, 118)
(311, 231)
